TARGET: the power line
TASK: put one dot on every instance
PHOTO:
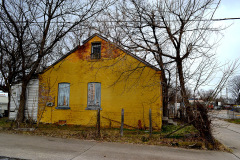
(128, 21)
(225, 19)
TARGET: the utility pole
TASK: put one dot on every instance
(227, 94)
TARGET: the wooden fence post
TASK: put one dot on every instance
(98, 123)
(122, 122)
(150, 122)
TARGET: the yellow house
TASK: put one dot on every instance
(100, 75)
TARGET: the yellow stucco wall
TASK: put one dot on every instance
(125, 83)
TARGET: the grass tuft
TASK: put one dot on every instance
(236, 121)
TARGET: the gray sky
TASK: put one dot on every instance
(229, 46)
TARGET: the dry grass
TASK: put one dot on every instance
(236, 121)
(186, 138)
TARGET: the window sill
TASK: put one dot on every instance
(62, 108)
(93, 108)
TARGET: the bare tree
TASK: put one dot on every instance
(132, 26)
(206, 95)
(170, 32)
(234, 88)
(9, 62)
(34, 29)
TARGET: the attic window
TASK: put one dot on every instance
(96, 50)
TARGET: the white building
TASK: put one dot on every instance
(3, 102)
(31, 109)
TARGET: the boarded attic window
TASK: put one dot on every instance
(96, 50)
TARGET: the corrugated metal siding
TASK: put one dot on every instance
(31, 102)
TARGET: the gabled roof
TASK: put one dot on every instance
(129, 53)
(95, 34)
(100, 36)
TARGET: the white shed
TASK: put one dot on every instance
(31, 109)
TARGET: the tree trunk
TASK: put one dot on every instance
(198, 116)
(165, 96)
(21, 108)
(238, 99)
(187, 107)
(182, 83)
(164, 86)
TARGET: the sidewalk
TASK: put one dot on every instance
(36, 147)
(228, 134)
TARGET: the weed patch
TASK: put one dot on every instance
(187, 137)
(236, 121)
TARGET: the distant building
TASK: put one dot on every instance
(3, 102)
(192, 100)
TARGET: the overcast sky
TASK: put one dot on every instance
(229, 46)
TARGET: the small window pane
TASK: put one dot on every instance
(63, 94)
(96, 51)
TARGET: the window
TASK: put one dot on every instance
(94, 96)
(63, 95)
(96, 51)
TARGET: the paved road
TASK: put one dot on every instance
(35, 147)
(228, 134)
